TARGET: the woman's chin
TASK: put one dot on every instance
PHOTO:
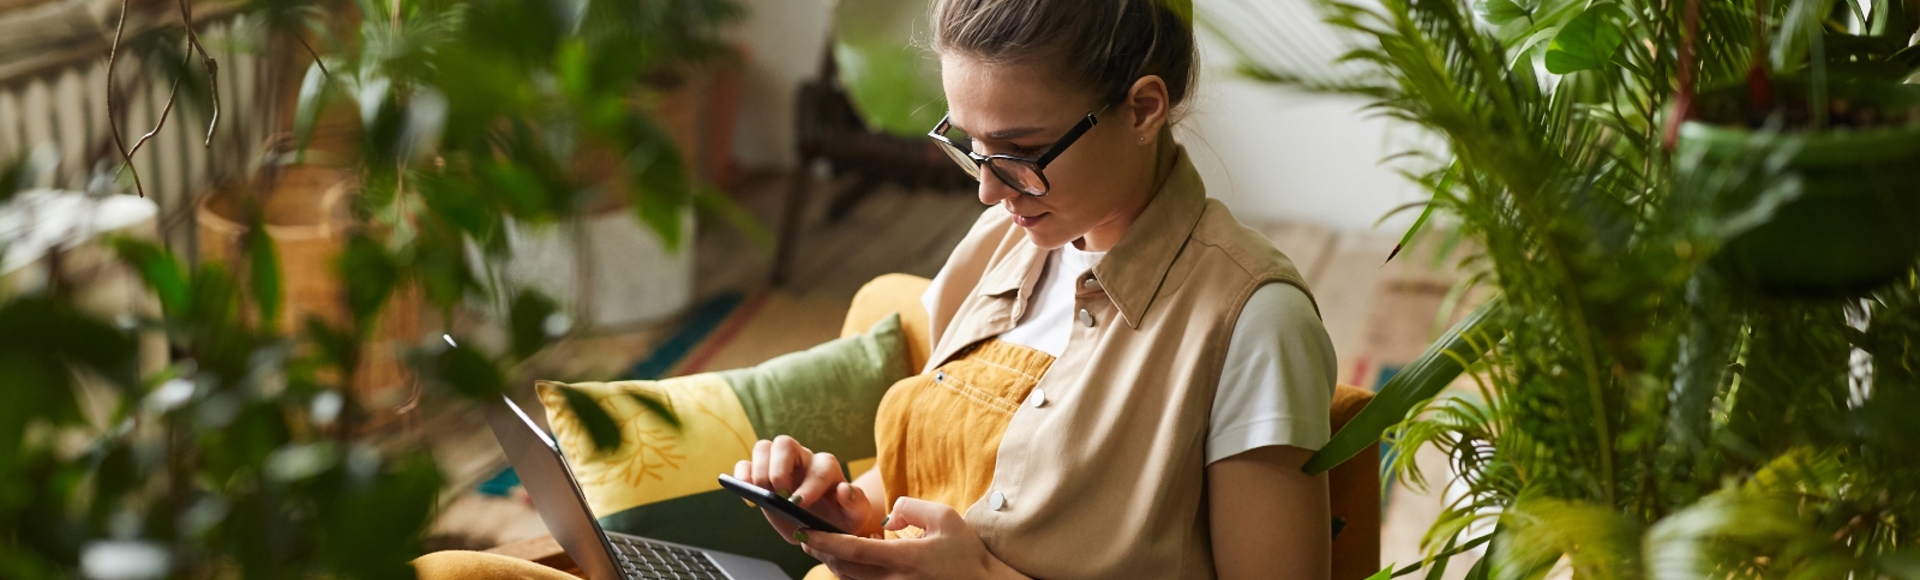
(1045, 239)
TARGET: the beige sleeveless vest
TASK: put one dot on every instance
(1106, 477)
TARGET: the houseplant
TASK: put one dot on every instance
(450, 116)
(244, 456)
(1635, 408)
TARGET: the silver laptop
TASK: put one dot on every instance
(602, 555)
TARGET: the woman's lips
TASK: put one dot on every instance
(1026, 221)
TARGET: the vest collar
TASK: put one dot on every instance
(1134, 269)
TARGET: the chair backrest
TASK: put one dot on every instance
(1354, 486)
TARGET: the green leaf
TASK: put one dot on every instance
(370, 275)
(1499, 12)
(263, 271)
(376, 527)
(1904, 564)
(1383, 574)
(600, 426)
(660, 186)
(454, 201)
(335, 346)
(527, 318)
(44, 331)
(311, 99)
(159, 270)
(1587, 42)
(1417, 382)
(1411, 231)
(470, 373)
(716, 203)
(893, 83)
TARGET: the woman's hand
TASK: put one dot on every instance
(949, 548)
(813, 480)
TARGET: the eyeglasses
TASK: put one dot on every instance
(1023, 174)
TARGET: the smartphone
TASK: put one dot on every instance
(766, 499)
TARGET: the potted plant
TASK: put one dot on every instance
(444, 122)
(1633, 407)
(245, 456)
(1843, 131)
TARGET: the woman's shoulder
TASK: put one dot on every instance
(1252, 251)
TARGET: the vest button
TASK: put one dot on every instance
(940, 376)
(1090, 283)
(1038, 398)
(996, 501)
(1086, 318)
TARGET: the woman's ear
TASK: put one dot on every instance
(1148, 102)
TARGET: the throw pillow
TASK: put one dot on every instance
(660, 482)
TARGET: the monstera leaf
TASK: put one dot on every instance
(893, 80)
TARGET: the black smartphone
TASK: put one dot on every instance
(766, 499)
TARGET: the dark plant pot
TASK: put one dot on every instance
(1856, 221)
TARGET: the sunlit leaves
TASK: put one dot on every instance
(1500, 12)
(1414, 385)
(1588, 42)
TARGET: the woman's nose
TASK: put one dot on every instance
(992, 190)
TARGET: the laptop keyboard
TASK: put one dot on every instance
(643, 560)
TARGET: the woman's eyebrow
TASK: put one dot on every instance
(1002, 134)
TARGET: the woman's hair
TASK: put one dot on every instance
(1103, 45)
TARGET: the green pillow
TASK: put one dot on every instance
(660, 483)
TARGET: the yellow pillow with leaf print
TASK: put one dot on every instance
(659, 481)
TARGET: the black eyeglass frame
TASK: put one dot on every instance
(1039, 164)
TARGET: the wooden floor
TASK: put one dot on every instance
(1378, 314)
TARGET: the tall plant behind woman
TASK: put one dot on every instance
(1644, 413)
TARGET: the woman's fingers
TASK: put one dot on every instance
(855, 549)
(743, 471)
(787, 462)
(762, 451)
(823, 473)
(845, 570)
(930, 516)
(854, 502)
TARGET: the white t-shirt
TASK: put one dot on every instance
(1278, 379)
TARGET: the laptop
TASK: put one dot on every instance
(602, 555)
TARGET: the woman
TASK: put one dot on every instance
(1124, 381)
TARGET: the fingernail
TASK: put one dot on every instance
(748, 502)
(783, 492)
(795, 499)
(800, 536)
(884, 520)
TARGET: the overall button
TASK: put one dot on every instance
(996, 501)
(940, 376)
(1038, 398)
(1086, 318)
(1090, 283)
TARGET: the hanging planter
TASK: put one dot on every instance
(1822, 190)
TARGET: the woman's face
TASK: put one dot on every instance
(1097, 185)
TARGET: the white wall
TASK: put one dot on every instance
(1267, 153)
(1275, 154)
(784, 40)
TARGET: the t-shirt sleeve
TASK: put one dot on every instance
(1277, 384)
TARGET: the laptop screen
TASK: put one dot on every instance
(556, 495)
